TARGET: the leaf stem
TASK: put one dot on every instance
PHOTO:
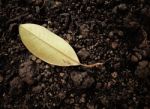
(92, 65)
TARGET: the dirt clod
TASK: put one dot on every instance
(82, 80)
(26, 72)
(134, 58)
(88, 82)
(84, 30)
(143, 64)
(83, 53)
(37, 89)
(77, 78)
(16, 85)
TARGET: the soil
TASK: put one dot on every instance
(115, 32)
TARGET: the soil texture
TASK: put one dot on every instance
(115, 32)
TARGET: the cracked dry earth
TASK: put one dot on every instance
(116, 32)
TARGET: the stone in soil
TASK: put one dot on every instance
(111, 33)
(138, 55)
(134, 58)
(122, 7)
(114, 45)
(114, 74)
(69, 37)
(82, 99)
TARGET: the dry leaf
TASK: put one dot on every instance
(47, 46)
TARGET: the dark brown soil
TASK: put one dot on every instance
(115, 31)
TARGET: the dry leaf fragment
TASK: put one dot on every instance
(49, 47)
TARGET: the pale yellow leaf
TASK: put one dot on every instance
(47, 46)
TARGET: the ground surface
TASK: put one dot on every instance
(115, 31)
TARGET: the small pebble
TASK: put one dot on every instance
(33, 58)
(139, 56)
(120, 33)
(38, 61)
(111, 33)
(63, 81)
(80, 36)
(47, 66)
(55, 4)
(114, 45)
(43, 85)
(69, 37)
(72, 101)
(114, 74)
(122, 7)
(143, 64)
(134, 58)
(82, 100)
(61, 74)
